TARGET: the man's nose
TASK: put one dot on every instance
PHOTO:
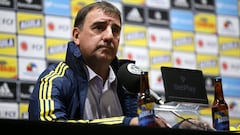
(108, 34)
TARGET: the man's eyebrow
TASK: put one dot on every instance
(105, 22)
(117, 26)
(99, 22)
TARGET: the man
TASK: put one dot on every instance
(84, 88)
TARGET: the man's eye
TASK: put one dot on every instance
(99, 28)
(116, 31)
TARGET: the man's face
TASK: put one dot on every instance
(99, 37)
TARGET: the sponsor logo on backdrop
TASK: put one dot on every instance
(56, 7)
(56, 49)
(184, 60)
(160, 58)
(157, 17)
(7, 21)
(135, 35)
(183, 41)
(8, 90)
(162, 4)
(206, 43)
(134, 14)
(228, 26)
(229, 46)
(29, 46)
(8, 67)
(204, 5)
(30, 68)
(159, 38)
(208, 64)
(27, 24)
(204, 22)
(58, 27)
(8, 44)
(26, 91)
(182, 4)
(7, 3)
(139, 54)
(31, 24)
(227, 7)
(9, 110)
(181, 20)
(35, 5)
(229, 66)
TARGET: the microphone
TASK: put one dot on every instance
(129, 76)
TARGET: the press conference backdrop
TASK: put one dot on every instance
(195, 34)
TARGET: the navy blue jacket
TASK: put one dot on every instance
(60, 92)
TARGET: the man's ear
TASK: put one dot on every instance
(75, 36)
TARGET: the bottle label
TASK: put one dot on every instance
(221, 120)
(146, 115)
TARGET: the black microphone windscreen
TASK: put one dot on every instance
(129, 76)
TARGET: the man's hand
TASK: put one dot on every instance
(195, 124)
(185, 124)
(134, 121)
(160, 122)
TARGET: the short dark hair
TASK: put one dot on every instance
(107, 7)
